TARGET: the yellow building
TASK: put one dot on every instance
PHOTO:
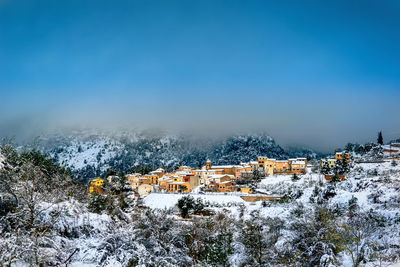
(96, 185)
(269, 166)
(152, 178)
(331, 162)
(247, 190)
(183, 184)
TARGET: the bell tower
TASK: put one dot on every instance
(208, 164)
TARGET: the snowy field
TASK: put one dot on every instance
(166, 201)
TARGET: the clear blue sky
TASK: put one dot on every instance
(318, 73)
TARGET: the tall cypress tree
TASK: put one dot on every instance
(380, 138)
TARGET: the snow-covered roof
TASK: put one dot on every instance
(329, 160)
(245, 166)
(133, 174)
(182, 173)
(392, 148)
(224, 166)
(225, 182)
(164, 178)
(211, 170)
(216, 176)
(176, 182)
(299, 162)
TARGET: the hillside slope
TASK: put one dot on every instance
(90, 154)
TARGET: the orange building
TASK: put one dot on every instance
(227, 186)
(163, 183)
(298, 166)
(183, 184)
(243, 168)
(219, 178)
(328, 177)
(226, 169)
(152, 178)
(159, 172)
(282, 166)
(132, 176)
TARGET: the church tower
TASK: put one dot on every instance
(208, 164)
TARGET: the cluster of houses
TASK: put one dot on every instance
(290, 166)
(338, 156)
(331, 164)
(223, 178)
(218, 178)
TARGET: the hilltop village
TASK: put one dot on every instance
(220, 178)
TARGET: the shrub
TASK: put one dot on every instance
(97, 203)
(295, 177)
(187, 204)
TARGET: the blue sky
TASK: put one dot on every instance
(318, 73)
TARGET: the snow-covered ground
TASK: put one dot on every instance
(166, 201)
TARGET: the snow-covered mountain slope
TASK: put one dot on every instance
(91, 154)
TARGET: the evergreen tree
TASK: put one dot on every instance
(341, 167)
(295, 177)
(380, 138)
(198, 206)
(185, 205)
(97, 203)
(326, 169)
(256, 176)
